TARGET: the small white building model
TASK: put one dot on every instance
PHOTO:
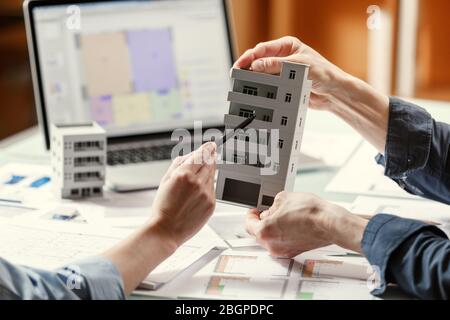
(78, 154)
(250, 176)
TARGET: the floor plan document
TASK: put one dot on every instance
(256, 275)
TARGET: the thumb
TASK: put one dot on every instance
(271, 65)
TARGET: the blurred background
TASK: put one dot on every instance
(401, 47)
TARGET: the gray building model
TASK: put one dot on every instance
(261, 160)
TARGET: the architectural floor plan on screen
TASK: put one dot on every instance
(147, 87)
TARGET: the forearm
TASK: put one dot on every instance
(345, 229)
(363, 108)
(139, 255)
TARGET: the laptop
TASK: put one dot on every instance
(141, 69)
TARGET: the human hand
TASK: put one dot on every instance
(297, 223)
(268, 57)
(186, 199)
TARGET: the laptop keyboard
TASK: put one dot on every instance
(121, 156)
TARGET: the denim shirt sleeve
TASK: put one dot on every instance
(414, 255)
(95, 278)
(416, 151)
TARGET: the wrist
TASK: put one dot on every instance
(345, 229)
(165, 238)
(346, 91)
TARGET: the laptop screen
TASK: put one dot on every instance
(135, 67)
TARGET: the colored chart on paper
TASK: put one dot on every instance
(332, 290)
(40, 182)
(246, 287)
(312, 268)
(255, 265)
(317, 268)
(22, 183)
(14, 179)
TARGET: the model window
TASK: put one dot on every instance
(266, 118)
(276, 167)
(238, 159)
(267, 201)
(85, 192)
(250, 90)
(270, 95)
(245, 113)
(296, 145)
(292, 74)
(284, 121)
(288, 97)
(280, 144)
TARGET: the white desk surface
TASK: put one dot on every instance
(28, 147)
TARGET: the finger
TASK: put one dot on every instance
(175, 164)
(270, 65)
(206, 173)
(265, 214)
(252, 222)
(275, 48)
(199, 158)
(273, 65)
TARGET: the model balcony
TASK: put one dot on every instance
(232, 121)
(92, 161)
(250, 76)
(92, 176)
(242, 98)
(88, 146)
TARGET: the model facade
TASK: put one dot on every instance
(78, 155)
(259, 166)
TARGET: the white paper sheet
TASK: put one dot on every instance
(50, 244)
(428, 211)
(330, 150)
(362, 175)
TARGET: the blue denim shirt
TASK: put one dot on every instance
(409, 253)
(93, 278)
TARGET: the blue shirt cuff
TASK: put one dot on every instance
(408, 141)
(382, 236)
(104, 282)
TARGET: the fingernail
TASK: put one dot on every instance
(210, 146)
